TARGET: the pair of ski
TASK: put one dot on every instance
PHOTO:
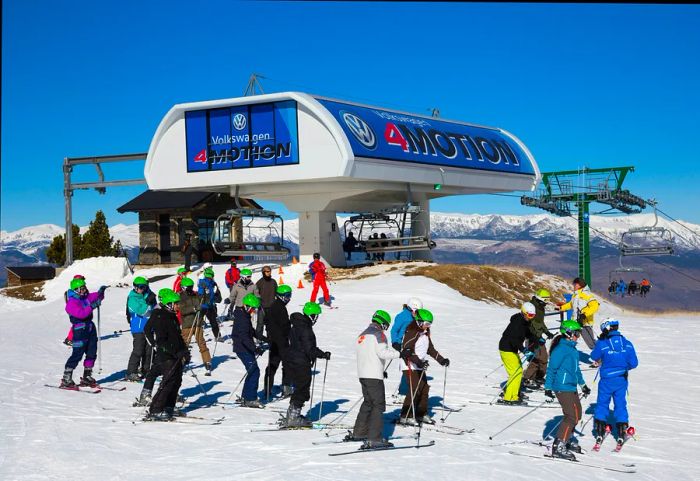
(439, 428)
(623, 468)
(184, 420)
(523, 405)
(86, 389)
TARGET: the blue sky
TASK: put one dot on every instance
(595, 85)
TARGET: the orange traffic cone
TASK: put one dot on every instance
(281, 271)
(281, 281)
(300, 285)
(294, 260)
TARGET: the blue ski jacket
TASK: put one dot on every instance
(563, 372)
(206, 288)
(401, 322)
(617, 355)
(139, 310)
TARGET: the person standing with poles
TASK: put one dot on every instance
(247, 350)
(242, 288)
(537, 368)
(192, 323)
(300, 358)
(511, 344)
(401, 322)
(139, 305)
(372, 353)
(277, 327)
(563, 378)
(210, 296)
(267, 290)
(418, 343)
(585, 305)
(318, 273)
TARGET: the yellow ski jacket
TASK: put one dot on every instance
(584, 303)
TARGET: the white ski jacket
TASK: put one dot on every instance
(372, 352)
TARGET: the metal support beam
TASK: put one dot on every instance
(584, 248)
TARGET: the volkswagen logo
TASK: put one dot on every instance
(360, 130)
(239, 121)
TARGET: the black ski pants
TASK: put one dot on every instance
(211, 317)
(370, 420)
(140, 354)
(276, 355)
(300, 376)
(166, 397)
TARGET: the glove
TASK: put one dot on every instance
(549, 395)
(386, 376)
(424, 364)
(406, 352)
(542, 341)
(445, 362)
(95, 304)
(259, 350)
(184, 356)
(549, 335)
(396, 346)
(227, 301)
(585, 390)
(528, 354)
(102, 289)
(327, 355)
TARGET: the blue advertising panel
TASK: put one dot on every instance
(382, 134)
(258, 135)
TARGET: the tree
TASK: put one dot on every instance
(96, 241)
(118, 249)
(56, 252)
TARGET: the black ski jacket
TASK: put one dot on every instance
(268, 290)
(163, 331)
(277, 324)
(302, 342)
(242, 333)
(515, 334)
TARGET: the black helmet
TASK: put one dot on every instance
(317, 255)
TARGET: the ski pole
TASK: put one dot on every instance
(444, 390)
(323, 389)
(517, 420)
(553, 429)
(498, 367)
(510, 380)
(121, 331)
(201, 388)
(313, 383)
(341, 416)
(99, 343)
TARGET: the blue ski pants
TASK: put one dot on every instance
(615, 388)
(250, 386)
(84, 344)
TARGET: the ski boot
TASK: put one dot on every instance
(68, 342)
(621, 435)
(573, 446)
(253, 403)
(163, 416)
(87, 379)
(207, 366)
(559, 451)
(67, 381)
(378, 444)
(426, 420)
(133, 377)
(350, 437)
(295, 419)
(406, 421)
(144, 399)
(517, 402)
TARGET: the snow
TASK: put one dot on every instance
(50, 434)
(98, 271)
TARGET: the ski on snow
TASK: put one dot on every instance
(314, 426)
(182, 420)
(77, 388)
(622, 469)
(387, 448)
(344, 441)
(439, 428)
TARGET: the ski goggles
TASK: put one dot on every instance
(529, 315)
(314, 318)
(82, 290)
(140, 287)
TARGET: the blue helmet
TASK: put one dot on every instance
(608, 323)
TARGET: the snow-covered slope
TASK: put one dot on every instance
(48, 434)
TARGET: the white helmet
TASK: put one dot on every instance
(414, 303)
(529, 310)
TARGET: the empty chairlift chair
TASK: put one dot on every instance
(249, 233)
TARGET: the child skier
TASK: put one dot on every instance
(418, 343)
(243, 335)
(192, 323)
(616, 357)
(232, 275)
(511, 344)
(401, 322)
(79, 311)
(139, 304)
(563, 377)
(277, 328)
(533, 377)
(210, 296)
(68, 341)
(181, 274)
(300, 358)
(585, 305)
(318, 270)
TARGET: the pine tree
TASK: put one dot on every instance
(118, 249)
(56, 252)
(96, 240)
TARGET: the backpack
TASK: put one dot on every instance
(311, 271)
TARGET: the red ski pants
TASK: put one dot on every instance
(322, 284)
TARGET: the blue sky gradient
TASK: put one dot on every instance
(594, 85)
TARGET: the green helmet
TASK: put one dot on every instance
(77, 284)
(140, 281)
(168, 296)
(246, 273)
(424, 315)
(251, 300)
(542, 294)
(381, 317)
(208, 272)
(187, 282)
(181, 270)
(311, 308)
(569, 327)
(283, 289)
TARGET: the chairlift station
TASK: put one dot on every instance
(322, 156)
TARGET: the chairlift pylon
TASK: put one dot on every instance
(226, 242)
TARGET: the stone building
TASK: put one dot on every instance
(166, 219)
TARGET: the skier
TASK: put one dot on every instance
(401, 322)
(247, 350)
(585, 305)
(187, 249)
(232, 274)
(372, 353)
(534, 375)
(242, 288)
(621, 288)
(267, 290)
(79, 311)
(139, 304)
(645, 286)
(192, 323)
(616, 356)
(318, 270)
(563, 377)
(68, 341)
(612, 289)
(418, 343)
(299, 360)
(210, 295)
(349, 244)
(632, 288)
(181, 274)
(277, 328)
(163, 331)
(510, 345)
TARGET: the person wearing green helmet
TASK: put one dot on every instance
(417, 345)
(563, 378)
(181, 274)
(299, 360)
(533, 377)
(193, 322)
(247, 348)
(277, 329)
(171, 354)
(240, 289)
(139, 305)
(68, 341)
(373, 352)
(209, 294)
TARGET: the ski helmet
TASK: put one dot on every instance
(79, 276)
(609, 323)
(208, 272)
(424, 315)
(168, 296)
(234, 261)
(543, 295)
(382, 318)
(140, 281)
(251, 300)
(312, 309)
(283, 290)
(182, 270)
(317, 255)
(568, 328)
(246, 273)
(414, 303)
(528, 310)
(77, 284)
(187, 282)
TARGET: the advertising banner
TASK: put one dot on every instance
(240, 137)
(383, 134)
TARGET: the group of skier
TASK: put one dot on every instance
(558, 371)
(620, 288)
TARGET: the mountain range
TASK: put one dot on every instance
(542, 242)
